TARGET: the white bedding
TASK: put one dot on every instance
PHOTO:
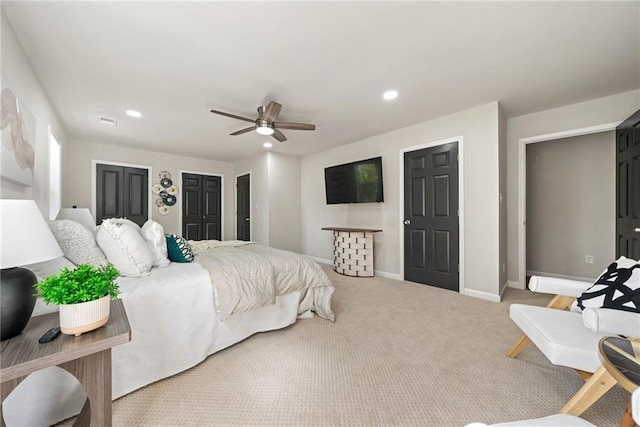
(174, 327)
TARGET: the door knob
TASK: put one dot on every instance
(247, 219)
(637, 230)
(406, 222)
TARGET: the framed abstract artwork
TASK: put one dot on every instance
(17, 152)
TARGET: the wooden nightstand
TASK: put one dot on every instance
(87, 357)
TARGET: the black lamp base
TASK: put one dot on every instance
(17, 299)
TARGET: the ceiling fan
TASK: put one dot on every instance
(266, 123)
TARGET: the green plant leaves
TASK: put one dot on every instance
(82, 284)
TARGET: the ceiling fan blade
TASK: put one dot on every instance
(272, 111)
(245, 130)
(296, 126)
(279, 135)
(233, 116)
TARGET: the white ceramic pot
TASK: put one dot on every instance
(76, 319)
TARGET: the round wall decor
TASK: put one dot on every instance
(173, 190)
(169, 200)
(166, 191)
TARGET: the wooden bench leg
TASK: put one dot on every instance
(520, 345)
(599, 383)
(561, 302)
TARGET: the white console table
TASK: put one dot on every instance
(353, 250)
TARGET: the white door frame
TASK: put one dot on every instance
(522, 184)
(94, 179)
(179, 203)
(459, 140)
(235, 204)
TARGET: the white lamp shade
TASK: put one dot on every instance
(80, 215)
(25, 235)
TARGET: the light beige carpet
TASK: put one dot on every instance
(398, 354)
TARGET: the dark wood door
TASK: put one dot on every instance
(201, 207)
(243, 208)
(212, 205)
(628, 187)
(122, 192)
(191, 206)
(431, 241)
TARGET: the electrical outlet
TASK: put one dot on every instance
(588, 259)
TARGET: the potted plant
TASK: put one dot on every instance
(83, 295)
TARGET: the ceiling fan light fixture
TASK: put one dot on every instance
(264, 128)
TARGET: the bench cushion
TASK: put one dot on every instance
(560, 335)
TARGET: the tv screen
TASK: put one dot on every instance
(357, 182)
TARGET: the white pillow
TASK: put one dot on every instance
(125, 248)
(126, 221)
(77, 243)
(153, 233)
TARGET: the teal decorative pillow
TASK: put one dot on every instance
(178, 248)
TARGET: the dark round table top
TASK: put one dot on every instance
(621, 358)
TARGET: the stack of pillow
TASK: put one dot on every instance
(131, 249)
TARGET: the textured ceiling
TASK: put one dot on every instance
(326, 62)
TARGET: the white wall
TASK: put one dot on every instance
(275, 194)
(598, 111)
(479, 129)
(285, 210)
(571, 205)
(18, 76)
(76, 177)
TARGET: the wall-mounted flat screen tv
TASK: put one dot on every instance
(357, 182)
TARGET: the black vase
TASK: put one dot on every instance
(17, 299)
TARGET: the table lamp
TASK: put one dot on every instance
(80, 215)
(25, 239)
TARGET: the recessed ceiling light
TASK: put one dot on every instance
(390, 94)
(134, 113)
(267, 145)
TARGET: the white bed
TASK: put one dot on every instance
(174, 327)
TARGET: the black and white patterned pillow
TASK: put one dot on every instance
(618, 287)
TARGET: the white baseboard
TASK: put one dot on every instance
(380, 273)
(504, 289)
(514, 284)
(482, 295)
(560, 276)
(393, 276)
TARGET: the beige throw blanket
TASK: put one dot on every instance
(246, 276)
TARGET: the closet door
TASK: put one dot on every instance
(122, 192)
(191, 206)
(201, 207)
(212, 207)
